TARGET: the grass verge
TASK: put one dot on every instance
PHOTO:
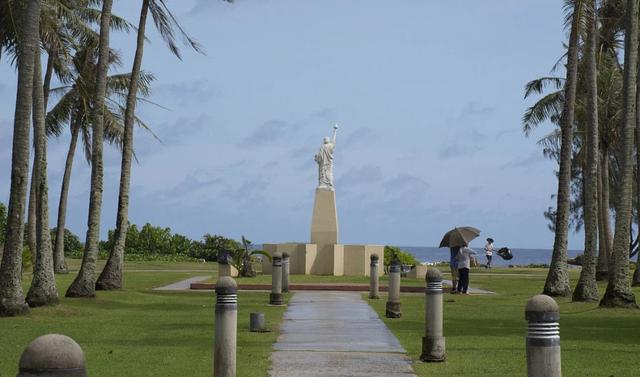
(485, 335)
(140, 332)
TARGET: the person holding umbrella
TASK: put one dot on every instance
(453, 265)
(454, 240)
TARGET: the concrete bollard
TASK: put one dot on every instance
(52, 355)
(393, 302)
(433, 345)
(285, 272)
(543, 337)
(374, 284)
(224, 268)
(224, 349)
(257, 322)
(275, 298)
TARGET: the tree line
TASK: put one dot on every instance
(68, 42)
(596, 144)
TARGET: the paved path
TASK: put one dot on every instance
(471, 290)
(331, 334)
(183, 285)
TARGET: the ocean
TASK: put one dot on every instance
(521, 257)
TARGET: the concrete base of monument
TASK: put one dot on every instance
(335, 260)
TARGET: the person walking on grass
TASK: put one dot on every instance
(464, 264)
(488, 251)
(453, 264)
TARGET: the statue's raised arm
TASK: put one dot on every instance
(335, 132)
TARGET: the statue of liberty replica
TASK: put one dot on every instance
(324, 158)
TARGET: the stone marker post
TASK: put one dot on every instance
(257, 322)
(393, 302)
(433, 346)
(224, 269)
(543, 337)
(224, 349)
(374, 285)
(285, 272)
(52, 355)
(275, 298)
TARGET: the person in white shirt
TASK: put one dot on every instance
(464, 264)
(488, 251)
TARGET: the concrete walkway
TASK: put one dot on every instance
(183, 285)
(331, 334)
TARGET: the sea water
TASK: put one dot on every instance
(521, 257)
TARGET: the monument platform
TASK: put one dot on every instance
(336, 259)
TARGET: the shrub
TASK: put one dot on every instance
(211, 246)
(404, 257)
(72, 244)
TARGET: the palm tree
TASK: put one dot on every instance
(43, 289)
(111, 276)
(618, 293)
(12, 300)
(557, 283)
(84, 284)
(74, 108)
(587, 289)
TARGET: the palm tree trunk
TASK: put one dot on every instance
(59, 263)
(587, 287)
(557, 283)
(604, 237)
(11, 296)
(31, 210)
(47, 80)
(111, 276)
(85, 283)
(43, 289)
(618, 293)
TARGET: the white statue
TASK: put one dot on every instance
(324, 158)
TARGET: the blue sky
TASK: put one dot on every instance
(429, 97)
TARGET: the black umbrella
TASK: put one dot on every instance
(459, 236)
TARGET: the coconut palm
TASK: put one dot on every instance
(618, 293)
(12, 300)
(84, 283)
(557, 282)
(43, 289)
(166, 23)
(74, 108)
(587, 289)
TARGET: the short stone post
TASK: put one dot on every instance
(52, 355)
(257, 322)
(543, 337)
(393, 302)
(374, 285)
(224, 349)
(433, 346)
(285, 272)
(275, 298)
(224, 269)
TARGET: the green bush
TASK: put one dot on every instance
(211, 246)
(72, 244)
(404, 257)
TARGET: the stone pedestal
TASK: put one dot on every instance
(324, 223)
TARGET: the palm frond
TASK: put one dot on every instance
(538, 86)
(548, 107)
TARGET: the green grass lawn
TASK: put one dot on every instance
(485, 335)
(141, 332)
